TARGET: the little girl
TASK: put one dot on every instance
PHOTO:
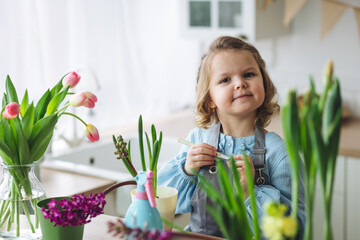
(234, 104)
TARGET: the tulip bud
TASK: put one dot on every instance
(92, 133)
(86, 99)
(71, 80)
(329, 69)
(12, 110)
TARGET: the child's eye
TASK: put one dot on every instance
(225, 80)
(249, 74)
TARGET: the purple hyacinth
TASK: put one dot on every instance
(75, 211)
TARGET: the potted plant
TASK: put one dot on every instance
(312, 131)
(26, 130)
(65, 217)
(165, 197)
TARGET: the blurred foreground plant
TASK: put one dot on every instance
(229, 209)
(314, 132)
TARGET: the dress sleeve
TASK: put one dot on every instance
(172, 175)
(279, 189)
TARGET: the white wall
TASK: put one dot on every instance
(142, 61)
(292, 59)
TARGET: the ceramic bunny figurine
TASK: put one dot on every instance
(142, 213)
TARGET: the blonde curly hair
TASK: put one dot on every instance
(206, 116)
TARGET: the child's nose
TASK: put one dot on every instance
(239, 83)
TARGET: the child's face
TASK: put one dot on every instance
(236, 84)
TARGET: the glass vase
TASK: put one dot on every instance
(20, 191)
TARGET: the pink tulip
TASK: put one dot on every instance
(86, 99)
(92, 133)
(71, 80)
(12, 110)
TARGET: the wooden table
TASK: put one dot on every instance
(97, 229)
(59, 183)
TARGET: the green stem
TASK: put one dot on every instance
(27, 216)
(17, 219)
(75, 116)
(63, 108)
(19, 179)
(12, 208)
(327, 223)
(310, 186)
(34, 203)
(5, 216)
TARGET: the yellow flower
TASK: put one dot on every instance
(272, 228)
(275, 225)
(289, 226)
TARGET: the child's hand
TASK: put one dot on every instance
(199, 155)
(240, 163)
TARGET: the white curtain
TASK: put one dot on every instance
(130, 53)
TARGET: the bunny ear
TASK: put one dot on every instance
(149, 189)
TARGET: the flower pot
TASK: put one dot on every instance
(20, 191)
(49, 232)
(165, 203)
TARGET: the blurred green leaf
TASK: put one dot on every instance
(10, 91)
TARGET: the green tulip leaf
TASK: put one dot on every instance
(42, 129)
(55, 101)
(57, 88)
(28, 120)
(41, 136)
(10, 91)
(10, 140)
(38, 150)
(24, 104)
(22, 143)
(5, 151)
(41, 106)
(4, 103)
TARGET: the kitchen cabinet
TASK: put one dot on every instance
(208, 19)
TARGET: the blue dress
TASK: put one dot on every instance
(277, 168)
